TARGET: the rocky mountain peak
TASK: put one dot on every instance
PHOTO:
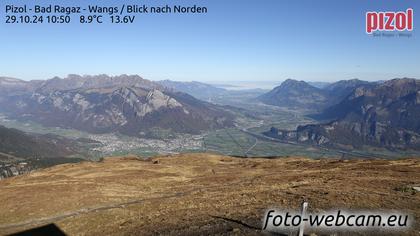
(291, 83)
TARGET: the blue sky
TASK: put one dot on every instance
(266, 40)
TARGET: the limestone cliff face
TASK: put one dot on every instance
(156, 100)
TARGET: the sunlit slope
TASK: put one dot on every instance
(199, 193)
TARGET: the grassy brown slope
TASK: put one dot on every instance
(198, 193)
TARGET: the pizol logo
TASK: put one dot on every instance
(389, 21)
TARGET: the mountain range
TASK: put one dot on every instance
(127, 104)
(295, 94)
(375, 114)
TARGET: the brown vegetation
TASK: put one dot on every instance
(199, 193)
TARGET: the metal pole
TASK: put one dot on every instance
(303, 215)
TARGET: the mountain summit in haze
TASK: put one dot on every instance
(296, 95)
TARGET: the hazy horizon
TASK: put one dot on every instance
(227, 84)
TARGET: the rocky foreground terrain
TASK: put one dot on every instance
(192, 194)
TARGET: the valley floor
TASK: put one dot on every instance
(192, 194)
